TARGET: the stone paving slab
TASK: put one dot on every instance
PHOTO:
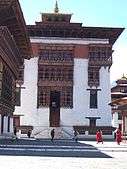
(112, 160)
(25, 162)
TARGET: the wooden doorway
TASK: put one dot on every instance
(54, 109)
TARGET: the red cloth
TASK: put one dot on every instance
(99, 136)
(118, 136)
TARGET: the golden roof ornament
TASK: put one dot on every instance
(56, 10)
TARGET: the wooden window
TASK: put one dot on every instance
(8, 128)
(93, 76)
(93, 98)
(92, 122)
(93, 73)
(42, 99)
(17, 96)
(55, 73)
(56, 55)
(100, 52)
(119, 116)
(66, 97)
(21, 74)
(43, 96)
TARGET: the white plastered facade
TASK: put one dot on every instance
(39, 117)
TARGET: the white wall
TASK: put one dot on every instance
(104, 109)
(81, 98)
(39, 118)
(126, 124)
(28, 106)
(11, 125)
(76, 116)
(5, 127)
(115, 120)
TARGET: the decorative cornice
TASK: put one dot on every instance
(58, 40)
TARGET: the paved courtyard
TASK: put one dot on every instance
(115, 157)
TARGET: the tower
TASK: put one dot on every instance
(68, 80)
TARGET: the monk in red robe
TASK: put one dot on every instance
(99, 136)
(118, 136)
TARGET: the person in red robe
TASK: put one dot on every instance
(118, 136)
(99, 137)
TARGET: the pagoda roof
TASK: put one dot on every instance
(118, 93)
(119, 104)
(104, 33)
(57, 14)
(120, 101)
(59, 25)
(11, 16)
(122, 107)
(51, 17)
(118, 86)
(80, 31)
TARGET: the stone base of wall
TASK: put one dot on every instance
(85, 132)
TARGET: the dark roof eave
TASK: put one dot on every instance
(20, 22)
(88, 32)
(105, 32)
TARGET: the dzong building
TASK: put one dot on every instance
(66, 84)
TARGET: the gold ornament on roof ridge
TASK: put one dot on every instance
(56, 9)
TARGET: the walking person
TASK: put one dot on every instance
(29, 133)
(99, 137)
(118, 136)
(15, 134)
(52, 134)
(76, 135)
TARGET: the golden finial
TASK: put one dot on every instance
(56, 10)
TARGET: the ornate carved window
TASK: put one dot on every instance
(55, 73)
(93, 73)
(99, 55)
(43, 96)
(92, 122)
(93, 76)
(56, 55)
(98, 52)
(66, 96)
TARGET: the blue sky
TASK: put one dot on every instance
(105, 13)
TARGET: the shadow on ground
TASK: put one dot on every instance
(57, 148)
